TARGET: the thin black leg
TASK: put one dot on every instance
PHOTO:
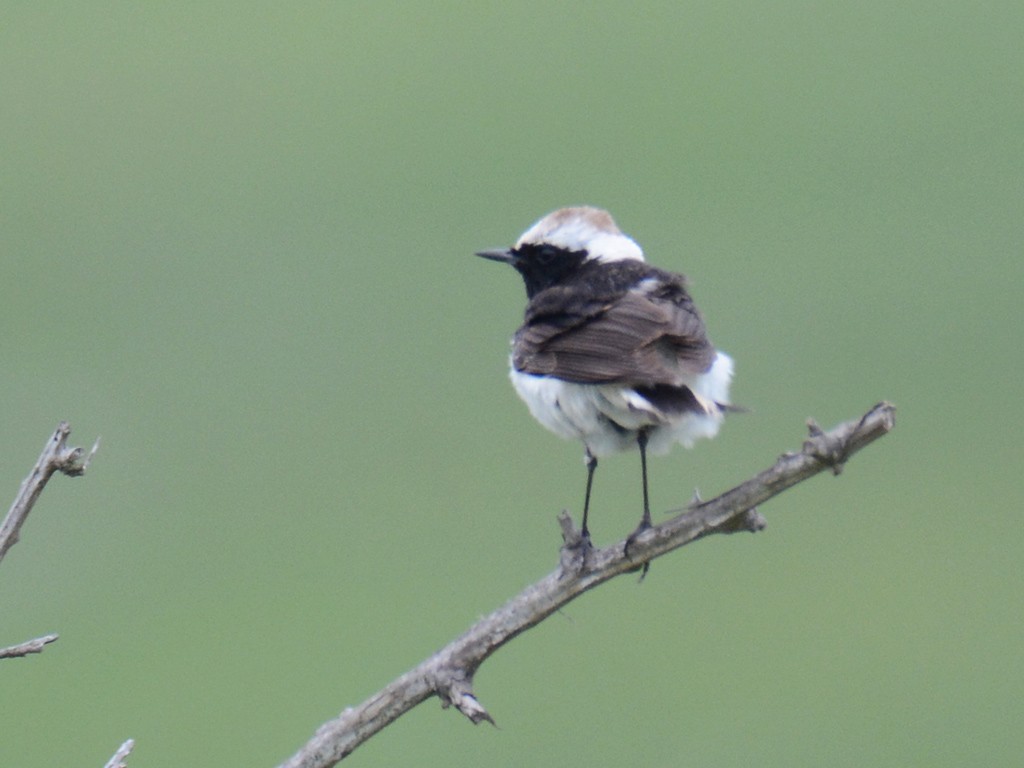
(645, 521)
(641, 440)
(591, 460)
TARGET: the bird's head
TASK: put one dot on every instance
(562, 242)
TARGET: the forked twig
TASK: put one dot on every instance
(56, 457)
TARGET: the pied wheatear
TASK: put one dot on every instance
(612, 351)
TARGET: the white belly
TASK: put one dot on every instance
(607, 417)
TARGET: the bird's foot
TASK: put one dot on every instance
(630, 540)
(576, 546)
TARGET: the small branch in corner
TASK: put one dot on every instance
(56, 457)
(120, 757)
(26, 648)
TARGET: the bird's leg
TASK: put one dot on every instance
(641, 440)
(645, 521)
(591, 461)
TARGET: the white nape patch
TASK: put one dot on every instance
(607, 417)
(605, 248)
(584, 228)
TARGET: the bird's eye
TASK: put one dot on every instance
(545, 254)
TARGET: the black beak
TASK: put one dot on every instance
(505, 255)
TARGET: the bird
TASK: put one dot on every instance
(612, 351)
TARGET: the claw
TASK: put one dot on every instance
(644, 525)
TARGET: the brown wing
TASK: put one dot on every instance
(643, 338)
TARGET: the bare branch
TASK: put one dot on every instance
(449, 673)
(119, 758)
(56, 457)
(29, 646)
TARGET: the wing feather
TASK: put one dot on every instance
(650, 335)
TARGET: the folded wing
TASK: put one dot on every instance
(650, 337)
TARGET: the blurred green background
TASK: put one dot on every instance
(237, 244)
